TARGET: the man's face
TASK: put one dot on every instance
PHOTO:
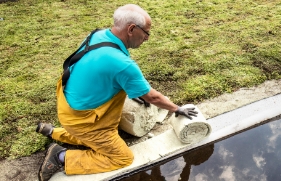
(140, 34)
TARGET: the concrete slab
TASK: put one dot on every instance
(167, 145)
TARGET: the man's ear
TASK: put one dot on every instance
(131, 29)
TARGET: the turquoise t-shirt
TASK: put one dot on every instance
(102, 73)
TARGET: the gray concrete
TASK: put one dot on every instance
(167, 145)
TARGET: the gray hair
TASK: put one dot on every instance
(124, 16)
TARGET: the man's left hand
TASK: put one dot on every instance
(141, 101)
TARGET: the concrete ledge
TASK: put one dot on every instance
(167, 145)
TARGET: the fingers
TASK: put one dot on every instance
(193, 112)
(187, 112)
(192, 108)
(189, 117)
(138, 100)
(146, 104)
(141, 101)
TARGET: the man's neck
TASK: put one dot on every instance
(120, 35)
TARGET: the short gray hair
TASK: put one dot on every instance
(123, 16)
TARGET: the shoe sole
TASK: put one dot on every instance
(47, 155)
(39, 128)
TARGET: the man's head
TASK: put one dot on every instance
(131, 25)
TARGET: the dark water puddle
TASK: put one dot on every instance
(254, 155)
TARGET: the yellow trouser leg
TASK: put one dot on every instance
(96, 129)
(62, 135)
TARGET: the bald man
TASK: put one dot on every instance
(90, 104)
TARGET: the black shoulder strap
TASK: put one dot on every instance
(75, 57)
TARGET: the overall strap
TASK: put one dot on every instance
(75, 57)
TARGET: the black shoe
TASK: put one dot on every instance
(51, 163)
(45, 129)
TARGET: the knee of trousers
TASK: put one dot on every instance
(126, 159)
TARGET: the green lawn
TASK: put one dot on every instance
(198, 49)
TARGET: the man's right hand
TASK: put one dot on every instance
(141, 101)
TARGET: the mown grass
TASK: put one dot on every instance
(198, 49)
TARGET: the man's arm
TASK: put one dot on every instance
(159, 100)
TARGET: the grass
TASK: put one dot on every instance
(197, 50)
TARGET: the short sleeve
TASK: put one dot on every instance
(132, 81)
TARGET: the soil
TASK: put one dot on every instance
(26, 168)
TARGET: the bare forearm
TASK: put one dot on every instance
(156, 98)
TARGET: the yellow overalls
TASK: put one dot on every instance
(96, 129)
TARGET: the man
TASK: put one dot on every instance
(90, 104)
